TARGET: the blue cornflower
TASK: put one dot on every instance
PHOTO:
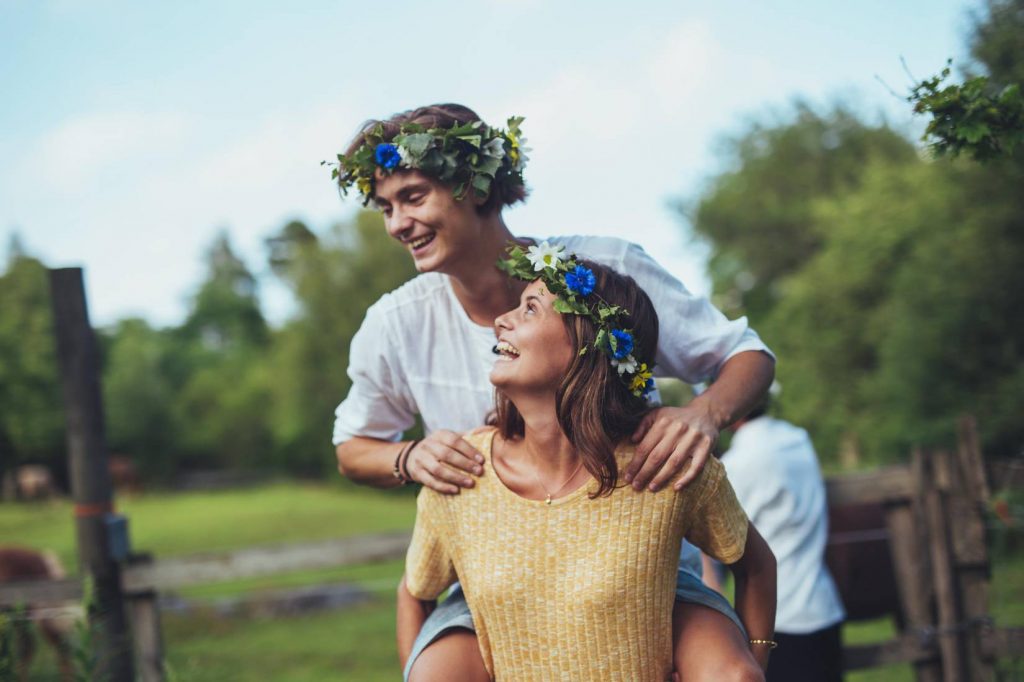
(581, 280)
(623, 343)
(387, 155)
(648, 387)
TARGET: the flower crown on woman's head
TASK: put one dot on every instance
(572, 284)
(465, 156)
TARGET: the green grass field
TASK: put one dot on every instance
(350, 644)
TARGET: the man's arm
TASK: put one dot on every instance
(669, 436)
(442, 461)
(410, 615)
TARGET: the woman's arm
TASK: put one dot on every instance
(755, 592)
(411, 613)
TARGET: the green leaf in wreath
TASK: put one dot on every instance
(562, 306)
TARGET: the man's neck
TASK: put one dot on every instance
(484, 291)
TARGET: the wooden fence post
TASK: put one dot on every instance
(908, 542)
(148, 635)
(950, 634)
(90, 477)
(969, 495)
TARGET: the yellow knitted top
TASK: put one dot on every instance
(581, 589)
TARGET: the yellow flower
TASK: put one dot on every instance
(513, 152)
(640, 378)
(364, 185)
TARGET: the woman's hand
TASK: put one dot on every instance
(443, 461)
(667, 440)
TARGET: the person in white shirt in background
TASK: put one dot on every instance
(774, 470)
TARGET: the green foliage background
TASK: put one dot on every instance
(223, 389)
(889, 285)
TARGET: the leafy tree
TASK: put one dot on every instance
(903, 314)
(983, 117)
(334, 279)
(139, 396)
(218, 370)
(904, 320)
(972, 118)
(31, 405)
(758, 216)
(226, 310)
(997, 40)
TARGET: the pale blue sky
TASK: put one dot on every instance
(131, 132)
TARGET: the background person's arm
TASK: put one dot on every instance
(755, 576)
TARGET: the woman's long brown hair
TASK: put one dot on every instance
(596, 410)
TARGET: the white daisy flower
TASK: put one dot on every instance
(523, 157)
(495, 148)
(627, 365)
(544, 255)
(406, 157)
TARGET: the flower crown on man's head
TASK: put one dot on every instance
(572, 284)
(465, 156)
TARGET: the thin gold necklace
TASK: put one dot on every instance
(547, 500)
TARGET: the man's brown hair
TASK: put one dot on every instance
(596, 410)
(439, 116)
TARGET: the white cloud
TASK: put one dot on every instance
(615, 142)
(153, 190)
(681, 66)
(79, 150)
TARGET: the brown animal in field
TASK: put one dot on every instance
(30, 482)
(21, 564)
(124, 475)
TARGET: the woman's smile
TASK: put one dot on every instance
(506, 351)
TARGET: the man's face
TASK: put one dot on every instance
(422, 214)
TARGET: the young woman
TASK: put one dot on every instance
(425, 349)
(568, 574)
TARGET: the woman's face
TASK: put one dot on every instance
(533, 345)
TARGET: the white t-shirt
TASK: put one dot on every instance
(774, 470)
(418, 352)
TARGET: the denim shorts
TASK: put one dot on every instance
(453, 612)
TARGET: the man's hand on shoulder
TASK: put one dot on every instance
(668, 440)
(444, 462)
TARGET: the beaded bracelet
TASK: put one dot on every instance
(398, 471)
(771, 643)
(404, 459)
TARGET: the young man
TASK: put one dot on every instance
(774, 471)
(441, 178)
